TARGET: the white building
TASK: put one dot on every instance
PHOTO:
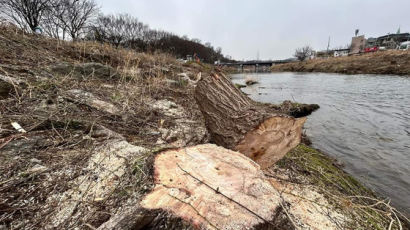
(341, 52)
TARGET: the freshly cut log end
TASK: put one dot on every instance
(238, 123)
(212, 188)
(271, 140)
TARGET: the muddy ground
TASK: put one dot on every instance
(80, 124)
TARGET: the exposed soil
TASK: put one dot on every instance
(382, 62)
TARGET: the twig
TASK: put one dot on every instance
(90, 226)
(287, 214)
(391, 223)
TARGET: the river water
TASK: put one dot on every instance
(364, 121)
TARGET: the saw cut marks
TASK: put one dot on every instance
(212, 188)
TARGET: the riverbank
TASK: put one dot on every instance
(383, 62)
(81, 124)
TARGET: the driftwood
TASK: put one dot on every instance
(214, 188)
(238, 123)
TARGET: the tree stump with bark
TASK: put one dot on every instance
(238, 123)
(215, 188)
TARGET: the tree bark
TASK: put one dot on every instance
(238, 123)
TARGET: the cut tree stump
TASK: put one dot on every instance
(238, 123)
(214, 188)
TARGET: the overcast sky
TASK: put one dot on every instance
(274, 28)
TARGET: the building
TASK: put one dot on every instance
(371, 42)
(358, 44)
(392, 41)
(389, 41)
(341, 52)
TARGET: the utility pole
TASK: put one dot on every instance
(328, 45)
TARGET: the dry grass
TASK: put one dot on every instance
(61, 132)
(307, 166)
(382, 62)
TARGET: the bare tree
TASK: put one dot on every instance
(121, 29)
(51, 24)
(27, 14)
(135, 30)
(126, 31)
(77, 16)
(111, 28)
(303, 53)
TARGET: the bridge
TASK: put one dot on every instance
(257, 64)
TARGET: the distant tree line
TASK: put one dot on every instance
(82, 19)
(127, 31)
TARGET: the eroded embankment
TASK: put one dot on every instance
(93, 119)
(383, 62)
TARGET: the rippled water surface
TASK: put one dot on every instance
(364, 121)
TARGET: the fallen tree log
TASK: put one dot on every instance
(238, 123)
(215, 188)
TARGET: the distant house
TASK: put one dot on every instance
(393, 41)
(371, 42)
(341, 52)
(389, 41)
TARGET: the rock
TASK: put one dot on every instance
(169, 108)
(184, 130)
(89, 99)
(183, 79)
(5, 89)
(99, 179)
(7, 86)
(298, 110)
(250, 82)
(31, 140)
(86, 70)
